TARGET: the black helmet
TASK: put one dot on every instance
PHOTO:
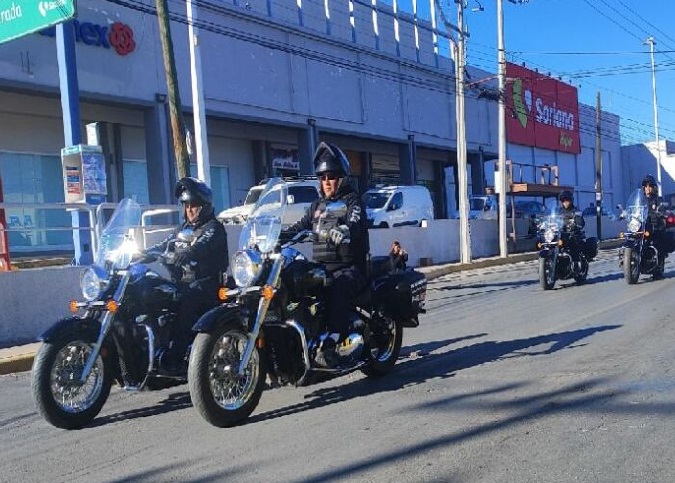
(566, 195)
(328, 157)
(649, 181)
(192, 190)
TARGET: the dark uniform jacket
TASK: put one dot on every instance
(345, 254)
(205, 258)
(574, 222)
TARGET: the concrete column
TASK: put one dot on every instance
(308, 139)
(159, 160)
(407, 161)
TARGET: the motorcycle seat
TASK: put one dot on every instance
(379, 266)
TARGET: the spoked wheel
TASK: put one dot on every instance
(385, 347)
(580, 278)
(220, 394)
(59, 395)
(546, 273)
(631, 265)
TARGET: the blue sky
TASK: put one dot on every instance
(535, 30)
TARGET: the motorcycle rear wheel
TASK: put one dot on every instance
(657, 274)
(631, 266)
(220, 395)
(385, 342)
(546, 273)
(59, 397)
(580, 278)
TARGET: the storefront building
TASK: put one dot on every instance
(277, 78)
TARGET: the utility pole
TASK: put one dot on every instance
(462, 182)
(198, 108)
(652, 43)
(598, 169)
(502, 188)
(175, 106)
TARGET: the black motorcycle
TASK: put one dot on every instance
(274, 322)
(555, 243)
(639, 253)
(122, 331)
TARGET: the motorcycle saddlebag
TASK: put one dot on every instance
(401, 296)
(591, 248)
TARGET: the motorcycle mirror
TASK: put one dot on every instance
(186, 235)
(336, 209)
(290, 199)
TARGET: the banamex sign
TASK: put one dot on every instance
(541, 111)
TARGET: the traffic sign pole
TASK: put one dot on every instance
(72, 130)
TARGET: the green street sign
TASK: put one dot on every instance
(23, 17)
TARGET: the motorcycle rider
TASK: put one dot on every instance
(573, 223)
(196, 265)
(345, 252)
(656, 219)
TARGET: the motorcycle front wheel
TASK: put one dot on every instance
(546, 273)
(385, 347)
(220, 395)
(631, 265)
(61, 399)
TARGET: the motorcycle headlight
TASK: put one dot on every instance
(549, 235)
(93, 281)
(634, 225)
(246, 268)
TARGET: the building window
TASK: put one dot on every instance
(136, 180)
(220, 184)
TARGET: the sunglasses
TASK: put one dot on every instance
(328, 177)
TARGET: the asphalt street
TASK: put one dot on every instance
(502, 382)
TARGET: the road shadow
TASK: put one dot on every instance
(417, 370)
(173, 402)
(512, 284)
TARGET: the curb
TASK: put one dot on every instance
(24, 361)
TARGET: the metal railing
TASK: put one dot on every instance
(29, 225)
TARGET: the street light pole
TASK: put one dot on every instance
(502, 188)
(651, 43)
(198, 113)
(462, 182)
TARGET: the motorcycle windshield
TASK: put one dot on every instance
(263, 227)
(117, 243)
(636, 211)
(552, 221)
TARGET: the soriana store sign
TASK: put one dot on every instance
(541, 111)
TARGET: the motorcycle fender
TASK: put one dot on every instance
(79, 325)
(216, 317)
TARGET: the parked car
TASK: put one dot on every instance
(391, 206)
(237, 215)
(302, 192)
(483, 207)
(590, 211)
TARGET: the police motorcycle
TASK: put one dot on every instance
(555, 258)
(639, 253)
(274, 321)
(120, 331)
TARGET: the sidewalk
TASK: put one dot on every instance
(20, 358)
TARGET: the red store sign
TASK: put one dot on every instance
(541, 111)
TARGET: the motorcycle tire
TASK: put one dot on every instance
(381, 359)
(219, 394)
(580, 278)
(631, 266)
(546, 273)
(57, 365)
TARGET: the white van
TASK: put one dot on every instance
(391, 206)
(300, 194)
(483, 207)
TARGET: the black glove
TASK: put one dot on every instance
(177, 258)
(339, 234)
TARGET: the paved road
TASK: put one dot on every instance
(503, 382)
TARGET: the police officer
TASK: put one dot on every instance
(656, 219)
(196, 263)
(345, 252)
(574, 223)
